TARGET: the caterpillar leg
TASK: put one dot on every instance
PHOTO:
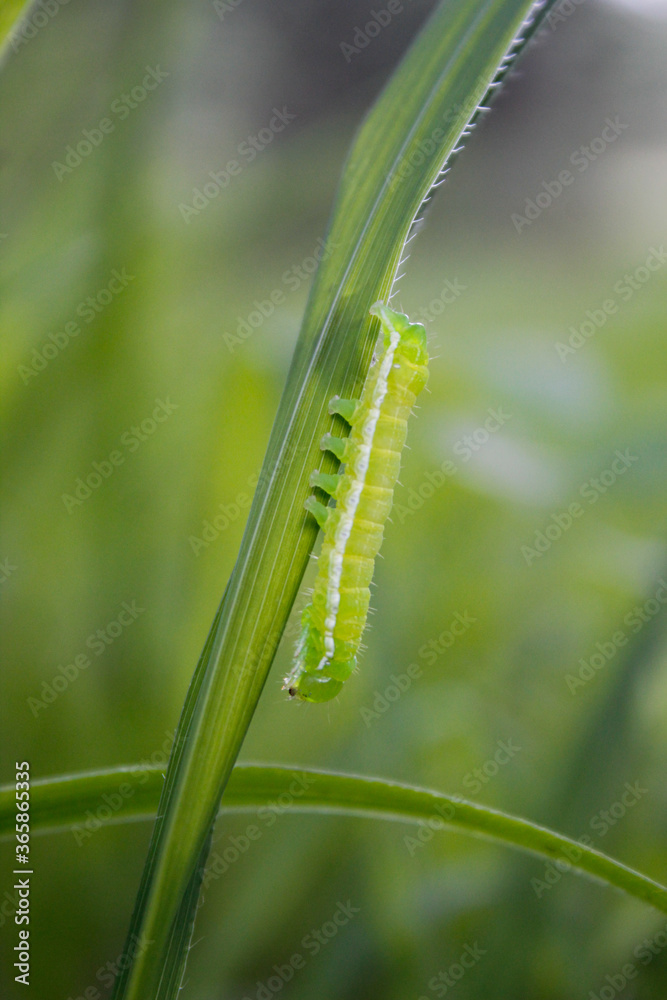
(325, 482)
(318, 510)
(337, 446)
(345, 407)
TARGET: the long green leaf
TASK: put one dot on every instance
(71, 802)
(410, 134)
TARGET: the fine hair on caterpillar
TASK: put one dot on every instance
(333, 623)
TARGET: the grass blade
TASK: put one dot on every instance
(410, 134)
(61, 803)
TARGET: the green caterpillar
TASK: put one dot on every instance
(333, 623)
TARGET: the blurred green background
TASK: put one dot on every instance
(87, 359)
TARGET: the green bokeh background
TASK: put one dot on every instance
(68, 572)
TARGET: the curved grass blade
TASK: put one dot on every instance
(413, 130)
(61, 803)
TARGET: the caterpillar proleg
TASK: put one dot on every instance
(333, 623)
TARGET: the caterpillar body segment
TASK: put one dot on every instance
(333, 623)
